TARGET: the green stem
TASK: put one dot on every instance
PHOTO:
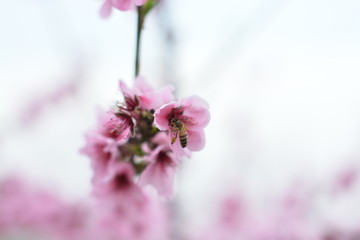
(140, 22)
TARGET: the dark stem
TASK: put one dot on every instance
(140, 22)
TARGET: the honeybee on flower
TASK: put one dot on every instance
(189, 116)
(179, 128)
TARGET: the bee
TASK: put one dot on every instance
(179, 128)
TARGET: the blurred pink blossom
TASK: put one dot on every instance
(126, 210)
(29, 210)
(236, 221)
(145, 94)
(160, 171)
(229, 223)
(36, 106)
(194, 113)
(346, 178)
(117, 127)
(147, 221)
(101, 151)
(102, 143)
(119, 185)
(122, 5)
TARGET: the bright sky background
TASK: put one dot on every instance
(282, 79)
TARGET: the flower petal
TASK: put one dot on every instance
(196, 109)
(179, 150)
(162, 139)
(122, 5)
(195, 100)
(124, 89)
(161, 116)
(139, 2)
(149, 98)
(142, 86)
(166, 94)
(161, 177)
(196, 140)
(105, 10)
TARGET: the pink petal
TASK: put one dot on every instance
(149, 98)
(162, 139)
(161, 177)
(195, 100)
(166, 94)
(124, 89)
(105, 10)
(101, 151)
(147, 101)
(125, 167)
(122, 5)
(197, 110)
(179, 150)
(105, 188)
(161, 116)
(196, 140)
(152, 156)
(139, 2)
(142, 85)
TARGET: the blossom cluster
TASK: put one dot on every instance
(139, 138)
(136, 149)
(295, 214)
(33, 213)
(39, 214)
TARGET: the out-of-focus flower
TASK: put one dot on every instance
(101, 151)
(102, 143)
(232, 212)
(24, 209)
(160, 171)
(119, 185)
(26, 212)
(126, 211)
(194, 114)
(117, 127)
(145, 221)
(122, 5)
(346, 179)
(37, 104)
(230, 222)
(145, 95)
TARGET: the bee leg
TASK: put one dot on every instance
(173, 139)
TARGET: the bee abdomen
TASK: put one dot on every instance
(183, 140)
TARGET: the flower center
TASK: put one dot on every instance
(163, 158)
(176, 113)
(121, 181)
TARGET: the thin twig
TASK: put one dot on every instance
(140, 22)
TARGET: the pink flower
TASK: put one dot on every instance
(160, 170)
(194, 114)
(102, 144)
(124, 206)
(145, 221)
(24, 208)
(101, 151)
(119, 186)
(346, 178)
(122, 5)
(232, 212)
(144, 95)
(116, 126)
